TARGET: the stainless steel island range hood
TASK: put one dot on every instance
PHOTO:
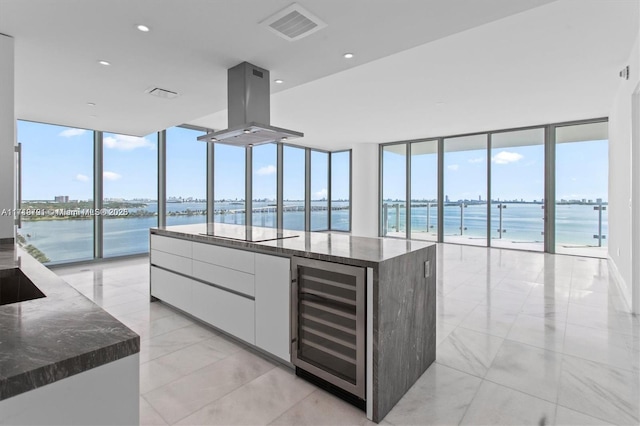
(249, 106)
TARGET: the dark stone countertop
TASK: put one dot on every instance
(332, 247)
(51, 338)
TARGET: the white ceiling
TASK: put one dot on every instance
(422, 67)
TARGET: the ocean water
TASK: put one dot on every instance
(576, 224)
(65, 240)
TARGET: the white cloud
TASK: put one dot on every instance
(476, 160)
(320, 194)
(111, 176)
(72, 132)
(506, 157)
(81, 178)
(127, 143)
(266, 170)
(453, 167)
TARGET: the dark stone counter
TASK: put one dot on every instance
(331, 247)
(54, 337)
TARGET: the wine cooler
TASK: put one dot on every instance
(328, 324)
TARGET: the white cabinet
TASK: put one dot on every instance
(240, 282)
(172, 245)
(171, 261)
(243, 293)
(172, 288)
(224, 310)
(240, 260)
(273, 285)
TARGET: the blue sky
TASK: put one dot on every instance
(517, 173)
(59, 161)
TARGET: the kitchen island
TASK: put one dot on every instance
(238, 279)
(63, 359)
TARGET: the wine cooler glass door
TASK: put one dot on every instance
(328, 322)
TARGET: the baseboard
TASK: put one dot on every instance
(620, 283)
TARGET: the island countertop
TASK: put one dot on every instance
(332, 247)
(54, 337)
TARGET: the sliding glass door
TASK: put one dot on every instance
(424, 190)
(517, 189)
(581, 189)
(465, 189)
(394, 190)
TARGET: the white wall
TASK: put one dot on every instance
(364, 197)
(622, 219)
(7, 135)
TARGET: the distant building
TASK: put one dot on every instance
(61, 198)
(446, 198)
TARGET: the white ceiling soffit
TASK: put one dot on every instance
(555, 63)
(192, 44)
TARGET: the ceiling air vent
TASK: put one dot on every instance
(293, 23)
(161, 93)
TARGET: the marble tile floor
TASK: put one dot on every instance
(523, 339)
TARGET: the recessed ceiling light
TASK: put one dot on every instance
(348, 55)
(247, 131)
(105, 63)
(284, 138)
(91, 104)
(214, 140)
(278, 81)
(143, 28)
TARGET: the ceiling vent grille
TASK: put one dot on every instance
(162, 93)
(293, 23)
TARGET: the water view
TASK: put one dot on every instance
(65, 239)
(577, 225)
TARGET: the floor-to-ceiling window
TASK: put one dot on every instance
(265, 185)
(465, 190)
(340, 190)
(130, 188)
(57, 192)
(293, 190)
(58, 187)
(517, 189)
(582, 189)
(424, 190)
(229, 184)
(394, 192)
(319, 190)
(186, 177)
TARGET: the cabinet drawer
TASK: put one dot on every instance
(240, 260)
(171, 245)
(171, 261)
(174, 289)
(226, 311)
(224, 277)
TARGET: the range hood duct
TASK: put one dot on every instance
(248, 99)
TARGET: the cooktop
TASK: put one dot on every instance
(251, 234)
